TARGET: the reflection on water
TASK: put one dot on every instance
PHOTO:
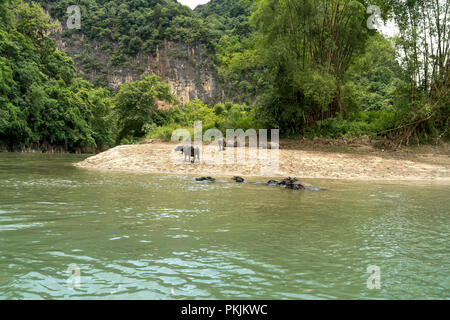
(159, 237)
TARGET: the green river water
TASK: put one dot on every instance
(136, 236)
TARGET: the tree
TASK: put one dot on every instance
(308, 47)
(41, 99)
(136, 105)
(375, 76)
(424, 47)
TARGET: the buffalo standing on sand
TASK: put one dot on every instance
(190, 152)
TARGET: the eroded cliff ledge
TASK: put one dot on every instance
(185, 68)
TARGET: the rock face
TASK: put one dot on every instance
(185, 68)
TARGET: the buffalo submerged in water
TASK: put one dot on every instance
(288, 183)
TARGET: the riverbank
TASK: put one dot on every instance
(46, 148)
(297, 158)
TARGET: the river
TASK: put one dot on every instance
(140, 236)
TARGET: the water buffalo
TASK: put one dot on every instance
(287, 181)
(295, 184)
(190, 152)
(205, 179)
(179, 149)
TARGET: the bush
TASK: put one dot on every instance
(359, 124)
(165, 132)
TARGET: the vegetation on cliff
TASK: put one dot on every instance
(310, 68)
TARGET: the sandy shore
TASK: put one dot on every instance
(295, 160)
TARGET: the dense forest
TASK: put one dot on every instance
(309, 67)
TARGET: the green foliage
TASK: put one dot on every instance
(41, 99)
(165, 132)
(307, 67)
(318, 89)
(308, 47)
(422, 46)
(136, 25)
(227, 18)
(198, 111)
(221, 116)
(117, 58)
(376, 75)
(360, 123)
(136, 105)
(238, 117)
(237, 61)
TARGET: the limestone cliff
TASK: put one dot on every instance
(184, 67)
